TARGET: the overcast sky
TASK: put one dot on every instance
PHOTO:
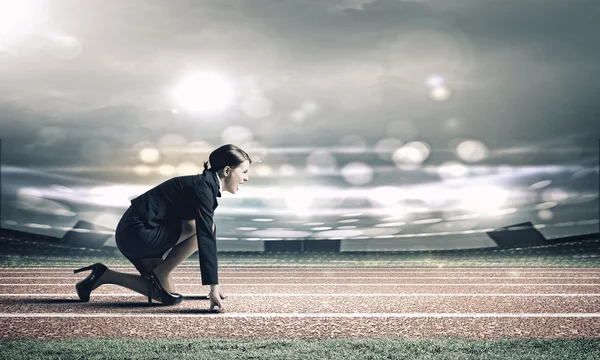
(85, 85)
(518, 71)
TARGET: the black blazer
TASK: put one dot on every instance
(186, 198)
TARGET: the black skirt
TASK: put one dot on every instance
(137, 240)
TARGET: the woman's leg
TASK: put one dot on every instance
(130, 281)
(186, 245)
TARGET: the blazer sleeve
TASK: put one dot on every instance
(207, 241)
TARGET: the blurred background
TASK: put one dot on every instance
(387, 125)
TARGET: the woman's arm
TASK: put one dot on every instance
(207, 242)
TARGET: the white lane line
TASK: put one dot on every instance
(320, 295)
(307, 315)
(324, 284)
(76, 277)
(230, 278)
(338, 270)
(261, 268)
(340, 275)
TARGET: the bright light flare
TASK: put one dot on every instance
(484, 198)
(16, 17)
(204, 93)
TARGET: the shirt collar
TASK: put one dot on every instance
(216, 177)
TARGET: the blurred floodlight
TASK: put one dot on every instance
(187, 169)
(385, 195)
(546, 205)
(320, 162)
(555, 194)
(16, 18)
(281, 233)
(256, 106)
(117, 195)
(483, 198)
(545, 214)
(472, 150)
(338, 233)
(452, 171)
(263, 170)
(540, 184)
(439, 94)
(236, 134)
(287, 170)
(357, 173)
(143, 170)
(435, 81)
(204, 93)
(32, 192)
(299, 199)
(149, 155)
(386, 147)
(412, 153)
(166, 169)
(62, 189)
(391, 224)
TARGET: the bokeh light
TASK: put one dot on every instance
(187, 168)
(320, 162)
(287, 170)
(299, 199)
(149, 155)
(357, 173)
(166, 169)
(452, 171)
(385, 195)
(412, 153)
(439, 94)
(142, 170)
(472, 150)
(483, 198)
(204, 93)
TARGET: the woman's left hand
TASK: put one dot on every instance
(222, 294)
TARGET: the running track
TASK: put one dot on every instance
(485, 303)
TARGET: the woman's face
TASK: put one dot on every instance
(235, 177)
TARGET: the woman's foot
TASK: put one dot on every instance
(85, 287)
(166, 280)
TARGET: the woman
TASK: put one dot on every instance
(175, 217)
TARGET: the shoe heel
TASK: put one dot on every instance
(90, 267)
(149, 291)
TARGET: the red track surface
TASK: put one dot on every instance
(314, 302)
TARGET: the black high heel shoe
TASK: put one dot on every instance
(166, 298)
(85, 286)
